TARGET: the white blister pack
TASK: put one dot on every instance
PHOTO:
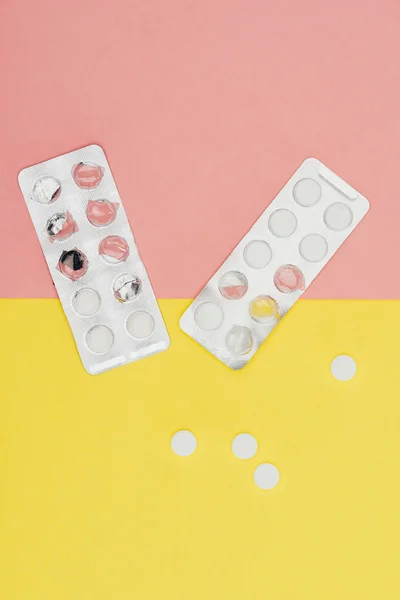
(274, 263)
(91, 253)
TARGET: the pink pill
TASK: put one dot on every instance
(73, 264)
(114, 249)
(101, 212)
(61, 226)
(87, 175)
(289, 278)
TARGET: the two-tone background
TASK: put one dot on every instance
(204, 108)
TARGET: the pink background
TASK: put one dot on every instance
(205, 108)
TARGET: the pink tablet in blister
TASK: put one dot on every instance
(93, 260)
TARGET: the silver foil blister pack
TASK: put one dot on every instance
(274, 263)
(91, 253)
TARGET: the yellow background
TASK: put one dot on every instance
(95, 506)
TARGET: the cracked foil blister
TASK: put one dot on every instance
(274, 263)
(92, 257)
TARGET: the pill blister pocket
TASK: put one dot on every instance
(274, 263)
(92, 257)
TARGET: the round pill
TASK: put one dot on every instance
(73, 264)
(61, 226)
(289, 278)
(244, 446)
(46, 190)
(307, 192)
(257, 254)
(183, 443)
(282, 223)
(264, 310)
(140, 324)
(338, 216)
(266, 476)
(99, 339)
(114, 249)
(239, 340)
(87, 175)
(343, 367)
(86, 302)
(233, 285)
(101, 212)
(313, 247)
(127, 287)
(208, 316)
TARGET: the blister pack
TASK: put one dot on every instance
(274, 263)
(90, 251)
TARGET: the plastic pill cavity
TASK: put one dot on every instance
(338, 216)
(239, 340)
(99, 339)
(209, 316)
(87, 175)
(307, 192)
(288, 279)
(46, 190)
(86, 302)
(233, 285)
(282, 223)
(140, 325)
(313, 247)
(101, 212)
(264, 310)
(114, 249)
(127, 287)
(73, 264)
(61, 226)
(257, 254)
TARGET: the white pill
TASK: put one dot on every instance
(266, 476)
(239, 340)
(86, 302)
(282, 223)
(99, 339)
(307, 192)
(343, 367)
(183, 443)
(244, 446)
(257, 254)
(209, 316)
(338, 216)
(313, 247)
(140, 324)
